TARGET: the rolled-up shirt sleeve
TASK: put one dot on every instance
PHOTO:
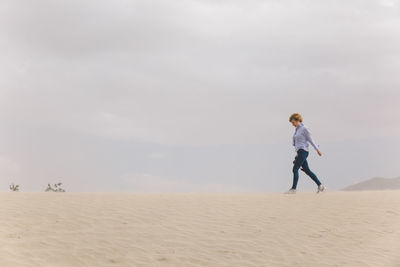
(309, 138)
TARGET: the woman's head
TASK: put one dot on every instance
(296, 119)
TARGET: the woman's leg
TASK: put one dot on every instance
(298, 161)
(306, 169)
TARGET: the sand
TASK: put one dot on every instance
(237, 229)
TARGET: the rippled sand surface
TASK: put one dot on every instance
(248, 229)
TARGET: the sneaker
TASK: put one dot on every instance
(291, 191)
(321, 188)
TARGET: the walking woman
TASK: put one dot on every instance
(301, 140)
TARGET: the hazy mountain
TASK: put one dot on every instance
(376, 183)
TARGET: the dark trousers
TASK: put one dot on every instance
(301, 161)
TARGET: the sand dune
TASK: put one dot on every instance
(249, 229)
(376, 183)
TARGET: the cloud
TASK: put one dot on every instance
(158, 155)
(388, 3)
(200, 72)
(145, 182)
(8, 167)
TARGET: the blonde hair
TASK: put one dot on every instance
(296, 117)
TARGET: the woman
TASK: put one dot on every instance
(301, 140)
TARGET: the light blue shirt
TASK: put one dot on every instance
(302, 138)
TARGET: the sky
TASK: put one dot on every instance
(195, 95)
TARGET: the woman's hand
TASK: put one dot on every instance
(319, 152)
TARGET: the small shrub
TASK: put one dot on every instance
(56, 188)
(14, 188)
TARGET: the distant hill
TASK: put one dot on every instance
(376, 183)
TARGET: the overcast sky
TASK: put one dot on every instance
(195, 95)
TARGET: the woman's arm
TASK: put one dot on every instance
(310, 139)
